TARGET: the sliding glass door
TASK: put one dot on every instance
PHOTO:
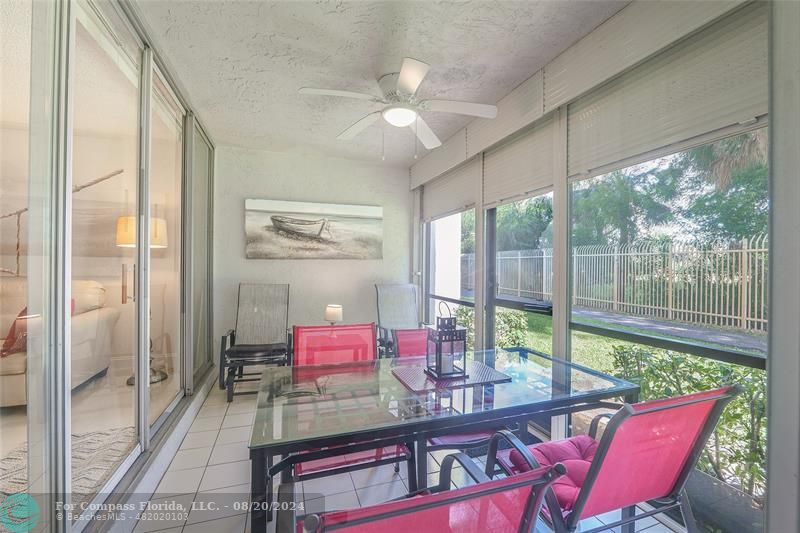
(105, 163)
(200, 238)
(165, 189)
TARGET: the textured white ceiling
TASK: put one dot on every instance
(241, 63)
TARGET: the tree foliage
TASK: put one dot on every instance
(523, 225)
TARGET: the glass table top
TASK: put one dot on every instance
(297, 404)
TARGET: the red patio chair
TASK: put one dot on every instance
(323, 345)
(410, 342)
(414, 343)
(647, 452)
(502, 506)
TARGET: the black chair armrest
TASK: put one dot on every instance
(513, 440)
(289, 348)
(595, 425)
(446, 471)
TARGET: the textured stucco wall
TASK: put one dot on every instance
(244, 173)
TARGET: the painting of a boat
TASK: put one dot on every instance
(300, 227)
(282, 229)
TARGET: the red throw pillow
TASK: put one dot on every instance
(17, 339)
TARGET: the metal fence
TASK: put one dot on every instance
(723, 284)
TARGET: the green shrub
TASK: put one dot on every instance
(511, 327)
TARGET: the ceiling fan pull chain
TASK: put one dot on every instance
(416, 136)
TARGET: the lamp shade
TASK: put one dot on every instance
(333, 313)
(126, 232)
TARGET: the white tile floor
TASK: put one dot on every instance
(212, 467)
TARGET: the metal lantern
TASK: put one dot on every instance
(447, 346)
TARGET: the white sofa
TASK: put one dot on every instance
(92, 330)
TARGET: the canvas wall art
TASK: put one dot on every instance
(278, 229)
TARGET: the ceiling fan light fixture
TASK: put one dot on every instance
(399, 115)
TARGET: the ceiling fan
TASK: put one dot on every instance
(402, 107)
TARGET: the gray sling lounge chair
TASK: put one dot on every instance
(261, 336)
(397, 309)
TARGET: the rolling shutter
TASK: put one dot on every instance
(452, 192)
(519, 167)
(710, 81)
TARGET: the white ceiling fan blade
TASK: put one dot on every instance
(462, 108)
(411, 75)
(425, 134)
(336, 92)
(359, 126)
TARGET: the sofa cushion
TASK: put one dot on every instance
(13, 364)
(87, 296)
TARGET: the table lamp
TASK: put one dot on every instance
(333, 313)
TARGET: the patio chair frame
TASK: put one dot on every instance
(314, 523)
(676, 499)
(231, 364)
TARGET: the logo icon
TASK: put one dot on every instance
(19, 513)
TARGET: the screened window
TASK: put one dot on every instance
(669, 289)
(451, 269)
(521, 284)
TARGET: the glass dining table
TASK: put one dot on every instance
(372, 404)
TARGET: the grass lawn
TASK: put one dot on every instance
(590, 350)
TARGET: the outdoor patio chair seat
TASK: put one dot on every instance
(257, 351)
(399, 452)
(575, 453)
(458, 440)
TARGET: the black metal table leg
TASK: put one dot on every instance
(629, 512)
(411, 465)
(258, 490)
(422, 462)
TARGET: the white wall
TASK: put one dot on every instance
(242, 174)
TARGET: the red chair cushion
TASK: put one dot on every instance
(575, 453)
(399, 452)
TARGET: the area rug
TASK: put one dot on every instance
(95, 456)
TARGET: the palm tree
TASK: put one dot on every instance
(718, 161)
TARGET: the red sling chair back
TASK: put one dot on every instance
(410, 342)
(499, 506)
(647, 452)
(322, 345)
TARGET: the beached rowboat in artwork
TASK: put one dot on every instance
(300, 227)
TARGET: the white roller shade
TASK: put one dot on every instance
(712, 80)
(453, 191)
(519, 167)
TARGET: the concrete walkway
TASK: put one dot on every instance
(739, 340)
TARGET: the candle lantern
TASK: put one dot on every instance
(447, 348)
